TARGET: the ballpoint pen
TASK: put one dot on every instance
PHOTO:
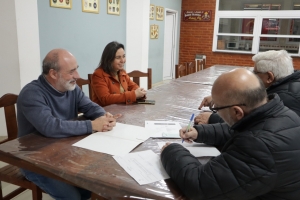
(188, 127)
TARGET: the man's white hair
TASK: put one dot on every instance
(277, 62)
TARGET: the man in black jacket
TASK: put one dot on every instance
(261, 157)
(275, 69)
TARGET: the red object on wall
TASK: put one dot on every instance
(196, 15)
(247, 28)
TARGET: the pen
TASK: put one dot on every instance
(188, 127)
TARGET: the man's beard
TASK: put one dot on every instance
(67, 85)
(229, 120)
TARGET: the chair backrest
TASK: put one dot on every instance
(191, 68)
(8, 102)
(9, 173)
(80, 82)
(90, 86)
(180, 70)
(137, 74)
(200, 64)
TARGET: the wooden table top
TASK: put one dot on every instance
(99, 172)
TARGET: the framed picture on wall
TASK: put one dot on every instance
(159, 13)
(152, 11)
(154, 29)
(61, 3)
(91, 6)
(113, 7)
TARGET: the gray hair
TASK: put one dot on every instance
(277, 62)
(251, 97)
(50, 63)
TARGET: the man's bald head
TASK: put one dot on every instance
(239, 86)
(55, 59)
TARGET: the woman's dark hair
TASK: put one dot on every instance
(108, 56)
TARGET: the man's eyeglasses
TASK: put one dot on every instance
(216, 109)
(256, 72)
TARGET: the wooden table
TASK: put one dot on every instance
(208, 75)
(98, 172)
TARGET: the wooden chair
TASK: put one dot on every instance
(180, 71)
(200, 64)
(191, 68)
(80, 82)
(137, 74)
(9, 173)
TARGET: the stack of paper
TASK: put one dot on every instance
(144, 166)
(163, 129)
(119, 141)
(197, 149)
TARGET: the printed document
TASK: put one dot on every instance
(197, 149)
(144, 166)
(119, 141)
(163, 129)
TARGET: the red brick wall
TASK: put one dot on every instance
(197, 37)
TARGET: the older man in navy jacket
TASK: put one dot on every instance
(261, 154)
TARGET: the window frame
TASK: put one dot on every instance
(258, 16)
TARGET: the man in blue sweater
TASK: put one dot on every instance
(49, 106)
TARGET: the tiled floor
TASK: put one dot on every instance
(26, 195)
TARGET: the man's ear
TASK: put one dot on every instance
(270, 78)
(53, 74)
(238, 112)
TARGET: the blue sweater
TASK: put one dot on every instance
(41, 108)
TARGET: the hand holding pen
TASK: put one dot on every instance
(188, 136)
(189, 126)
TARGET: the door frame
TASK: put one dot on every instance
(174, 55)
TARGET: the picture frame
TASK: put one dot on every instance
(61, 4)
(113, 7)
(159, 13)
(152, 11)
(154, 31)
(91, 6)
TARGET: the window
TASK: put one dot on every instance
(249, 28)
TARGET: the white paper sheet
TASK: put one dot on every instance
(119, 141)
(197, 149)
(144, 166)
(163, 129)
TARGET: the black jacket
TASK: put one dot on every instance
(288, 90)
(260, 160)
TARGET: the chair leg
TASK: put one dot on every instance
(1, 197)
(37, 193)
(14, 193)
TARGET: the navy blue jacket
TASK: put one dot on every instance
(260, 159)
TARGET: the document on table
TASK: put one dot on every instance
(119, 141)
(197, 149)
(163, 129)
(144, 166)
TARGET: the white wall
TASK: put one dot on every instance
(28, 40)
(19, 47)
(137, 37)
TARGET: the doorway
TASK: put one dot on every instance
(170, 39)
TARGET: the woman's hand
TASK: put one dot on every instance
(140, 92)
